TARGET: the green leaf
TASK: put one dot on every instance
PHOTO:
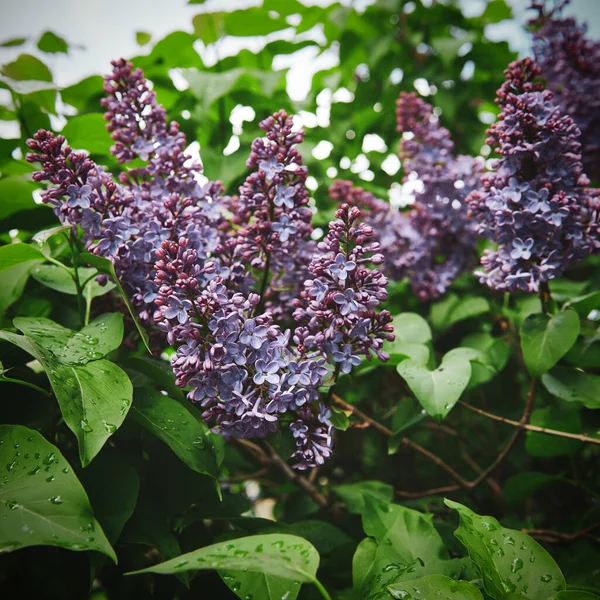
(408, 413)
(175, 425)
(412, 333)
(13, 281)
(142, 37)
(41, 237)
(546, 340)
(561, 418)
(353, 494)
(339, 419)
(277, 554)
(260, 585)
(573, 385)
(520, 487)
(15, 254)
(584, 305)
(453, 309)
(496, 11)
(103, 335)
(50, 42)
(11, 43)
(509, 560)
(160, 372)
(408, 546)
(105, 266)
(437, 391)
(27, 67)
(88, 132)
(208, 27)
(112, 485)
(437, 586)
(93, 398)
(84, 94)
(41, 500)
(15, 196)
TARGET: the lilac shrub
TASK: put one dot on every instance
(569, 62)
(535, 205)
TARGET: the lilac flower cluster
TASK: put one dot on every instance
(337, 306)
(535, 205)
(240, 367)
(216, 287)
(570, 64)
(126, 222)
(445, 244)
(272, 211)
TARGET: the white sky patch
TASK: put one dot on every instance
(391, 164)
(361, 163)
(396, 76)
(342, 95)
(322, 150)
(311, 183)
(232, 146)
(422, 86)
(468, 70)
(367, 175)
(332, 172)
(373, 143)
(487, 117)
(345, 162)
(239, 115)
(179, 81)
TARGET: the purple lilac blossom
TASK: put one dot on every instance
(446, 242)
(535, 205)
(569, 62)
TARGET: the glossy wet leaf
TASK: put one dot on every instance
(573, 385)
(41, 499)
(575, 595)
(285, 556)
(406, 546)
(94, 398)
(105, 266)
(260, 585)
(175, 425)
(439, 390)
(103, 335)
(435, 586)
(510, 561)
(545, 340)
(412, 334)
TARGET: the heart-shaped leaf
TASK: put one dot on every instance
(15, 254)
(510, 561)
(439, 390)
(546, 340)
(41, 499)
(434, 586)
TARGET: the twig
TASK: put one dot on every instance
(271, 459)
(405, 441)
(582, 437)
(558, 537)
(241, 478)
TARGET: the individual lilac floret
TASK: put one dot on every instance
(535, 205)
(337, 306)
(314, 438)
(570, 64)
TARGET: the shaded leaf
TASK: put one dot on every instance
(41, 500)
